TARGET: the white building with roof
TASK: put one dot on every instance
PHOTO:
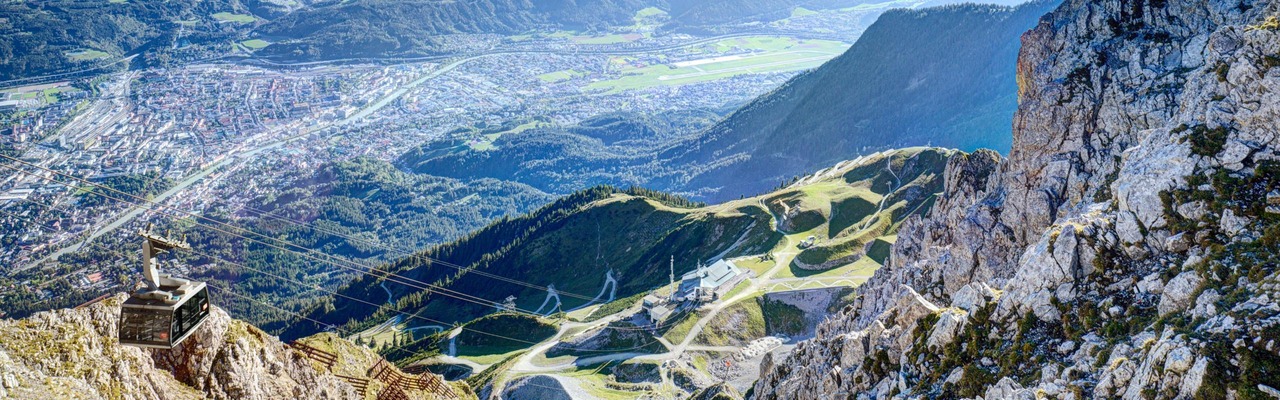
(708, 283)
(656, 308)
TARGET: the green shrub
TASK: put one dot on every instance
(975, 381)
(1269, 62)
(1102, 356)
(1205, 141)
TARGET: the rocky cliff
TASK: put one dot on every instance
(1126, 248)
(73, 353)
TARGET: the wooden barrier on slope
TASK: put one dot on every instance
(392, 393)
(397, 382)
(415, 369)
(385, 372)
(361, 384)
(313, 353)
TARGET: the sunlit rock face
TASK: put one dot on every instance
(1125, 248)
(73, 353)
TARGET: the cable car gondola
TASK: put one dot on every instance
(166, 311)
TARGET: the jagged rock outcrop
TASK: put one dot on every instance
(1124, 249)
(73, 353)
(617, 335)
(719, 391)
(537, 387)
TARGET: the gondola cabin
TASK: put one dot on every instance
(168, 309)
(155, 323)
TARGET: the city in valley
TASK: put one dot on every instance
(222, 135)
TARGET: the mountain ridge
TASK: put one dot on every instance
(1108, 256)
(632, 236)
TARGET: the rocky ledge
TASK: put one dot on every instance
(73, 353)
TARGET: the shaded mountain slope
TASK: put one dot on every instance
(941, 76)
(611, 149)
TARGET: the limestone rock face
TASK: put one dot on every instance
(73, 353)
(1132, 210)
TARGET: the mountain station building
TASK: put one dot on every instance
(708, 283)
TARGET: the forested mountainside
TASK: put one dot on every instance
(39, 37)
(347, 206)
(1125, 249)
(942, 76)
(581, 241)
(612, 149)
(368, 28)
(571, 243)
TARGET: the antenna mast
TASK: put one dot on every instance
(672, 277)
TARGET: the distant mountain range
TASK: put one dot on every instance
(369, 28)
(47, 37)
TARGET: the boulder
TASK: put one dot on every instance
(1177, 294)
(951, 323)
(1206, 304)
(1193, 378)
(971, 297)
(1179, 360)
(1008, 389)
(912, 306)
(1192, 210)
(1232, 224)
